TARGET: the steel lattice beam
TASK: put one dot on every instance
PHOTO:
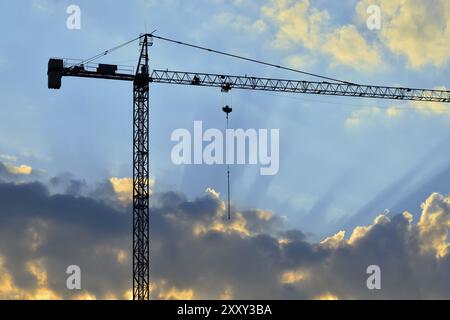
(296, 86)
(141, 178)
(275, 85)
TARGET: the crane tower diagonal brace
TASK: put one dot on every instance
(141, 177)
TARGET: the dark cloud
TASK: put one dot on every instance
(196, 252)
(76, 229)
(66, 183)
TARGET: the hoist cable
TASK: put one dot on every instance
(228, 183)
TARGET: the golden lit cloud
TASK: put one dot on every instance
(19, 170)
(42, 292)
(297, 61)
(299, 25)
(416, 29)
(393, 112)
(430, 108)
(227, 294)
(334, 241)
(213, 193)
(237, 225)
(122, 256)
(264, 215)
(348, 47)
(326, 296)
(283, 241)
(110, 296)
(434, 224)
(128, 295)
(176, 294)
(290, 277)
(36, 268)
(360, 232)
(85, 296)
(8, 290)
(123, 187)
(367, 115)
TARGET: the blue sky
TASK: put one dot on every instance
(342, 160)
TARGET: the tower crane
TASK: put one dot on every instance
(142, 77)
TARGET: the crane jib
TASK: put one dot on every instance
(58, 68)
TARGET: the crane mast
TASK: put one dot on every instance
(58, 68)
(141, 176)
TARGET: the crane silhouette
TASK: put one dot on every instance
(142, 77)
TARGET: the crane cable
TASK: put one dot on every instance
(249, 59)
(227, 111)
(104, 53)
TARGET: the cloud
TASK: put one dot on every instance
(12, 171)
(348, 47)
(434, 224)
(418, 30)
(43, 5)
(58, 231)
(198, 254)
(334, 241)
(300, 61)
(432, 108)
(123, 188)
(326, 296)
(66, 184)
(366, 115)
(175, 294)
(300, 25)
(240, 23)
(21, 169)
(290, 277)
(8, 290)
(8, 158)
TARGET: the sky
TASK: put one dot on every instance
(360, 182)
